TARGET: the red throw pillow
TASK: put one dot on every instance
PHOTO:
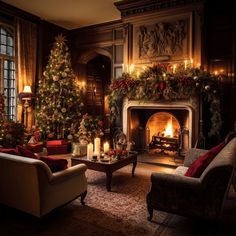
(25, 152)
(200, 164)
(54, 164)
(12, 151)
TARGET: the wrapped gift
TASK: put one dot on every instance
(34, 147)
(58, 147)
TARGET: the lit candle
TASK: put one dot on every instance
(106, 147)
(138, 73)
(90, 151)
(174, 68)
(185, 64)
(97, 144)
(131, 68)
(191, 61)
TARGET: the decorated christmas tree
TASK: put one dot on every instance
(59, 98)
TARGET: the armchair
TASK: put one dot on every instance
(28, 184)
(200, 197)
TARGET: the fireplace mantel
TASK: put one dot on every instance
(190, 105)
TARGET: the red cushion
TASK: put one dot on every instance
(56, 142)
(12, 151)
(25, 152)
(34, 147)
(200, 164)
(54, 164)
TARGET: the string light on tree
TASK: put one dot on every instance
(58, 93)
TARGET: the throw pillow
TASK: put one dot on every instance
(199, 165)
(12, 151)
(25, 152)
(54, 164)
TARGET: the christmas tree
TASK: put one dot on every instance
(59, 98)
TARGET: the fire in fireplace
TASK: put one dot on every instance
(163, 132)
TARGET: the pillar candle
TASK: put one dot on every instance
(97, 144)
(90, 151)
(185, 64)
(106, 147)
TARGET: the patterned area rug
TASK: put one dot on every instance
(120, 212)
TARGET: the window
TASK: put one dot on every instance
(7, 71)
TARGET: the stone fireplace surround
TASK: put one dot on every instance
(190, 106)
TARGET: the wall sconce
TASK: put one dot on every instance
(25, 98)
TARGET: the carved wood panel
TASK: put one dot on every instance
(167, 40)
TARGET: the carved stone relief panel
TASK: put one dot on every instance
(162, 40)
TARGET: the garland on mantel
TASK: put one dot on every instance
(165, 82)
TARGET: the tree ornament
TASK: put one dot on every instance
(207, 87)
(63, 110)
(55, 78)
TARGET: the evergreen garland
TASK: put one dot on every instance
(160, 82)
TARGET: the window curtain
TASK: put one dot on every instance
(26, 53)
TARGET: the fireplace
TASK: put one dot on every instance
(147, 124)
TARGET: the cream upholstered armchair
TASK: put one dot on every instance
(201, 197)
(29, 185)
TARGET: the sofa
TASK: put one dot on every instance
(28, 184)
(201, 197)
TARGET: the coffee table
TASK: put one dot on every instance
(108, 167)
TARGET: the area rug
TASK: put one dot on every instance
(120, 212)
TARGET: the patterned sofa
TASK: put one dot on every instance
(28, 184)
(199, 197)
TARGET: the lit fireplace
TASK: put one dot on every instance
(175, 123)
(168, 132)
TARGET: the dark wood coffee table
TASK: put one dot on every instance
(107, 167)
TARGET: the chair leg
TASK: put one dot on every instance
(83, 195)
(150, 211)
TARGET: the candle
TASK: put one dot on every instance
(97, 144)
(191, 61)
(174, 68)
(131, 68)
(106, 147)
(185, 64)
(90, 151)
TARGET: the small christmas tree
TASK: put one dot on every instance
(59, 98)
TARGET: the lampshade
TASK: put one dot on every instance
(27, 93)
(27, 89)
